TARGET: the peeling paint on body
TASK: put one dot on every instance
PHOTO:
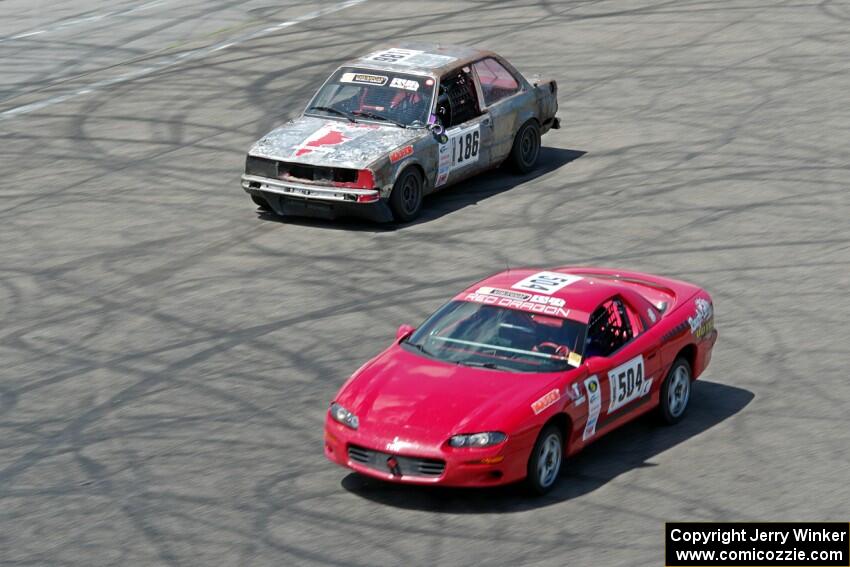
(329, 142)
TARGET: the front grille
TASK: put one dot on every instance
(315, 172)
(410, 466)
(358, 454)
(274, 169)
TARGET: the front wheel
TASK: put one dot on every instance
(675, 392)
(544, 466)
(526, 148)
(406, 196)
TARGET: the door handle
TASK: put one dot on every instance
(652, 354)
(487, 122)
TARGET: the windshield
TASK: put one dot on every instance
(380, 96)
(475, 334)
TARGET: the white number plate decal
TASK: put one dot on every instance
(465, 145)
(462, 149)
(628, 383)
(393, 55)
(546, 282)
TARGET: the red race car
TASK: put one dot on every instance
(519, 371)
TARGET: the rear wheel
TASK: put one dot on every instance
(260, 202)
(406, 196)
(544, 466)
(526, 148)
(675, 392)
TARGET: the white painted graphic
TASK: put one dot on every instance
(546, 282)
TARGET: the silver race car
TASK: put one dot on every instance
(388, 128)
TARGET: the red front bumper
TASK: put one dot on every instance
(489, 466)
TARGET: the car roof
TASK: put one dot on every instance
(581, 289)
(429, 58)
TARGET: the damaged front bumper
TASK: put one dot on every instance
(287, 198)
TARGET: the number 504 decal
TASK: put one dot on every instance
(628, 383)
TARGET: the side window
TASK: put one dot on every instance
(609, 328)
(496, 81)
(457, 100)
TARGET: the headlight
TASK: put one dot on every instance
(344, 416)
(478, 439)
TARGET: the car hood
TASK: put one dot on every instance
(405, 397)
(328, 142)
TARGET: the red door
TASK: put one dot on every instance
(624, 364)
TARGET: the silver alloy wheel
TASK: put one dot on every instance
(679, 391)
(549, 460)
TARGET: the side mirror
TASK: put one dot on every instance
(594, 363)
(403, 332)
(439, 132)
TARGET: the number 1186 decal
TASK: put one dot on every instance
(465, 146)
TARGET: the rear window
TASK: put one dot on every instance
(475, 334)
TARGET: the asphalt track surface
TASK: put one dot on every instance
(167, 354)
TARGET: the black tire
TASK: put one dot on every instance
(526, 148)
(675, 393)
(549, 447)
(260, 202)
(406, 196)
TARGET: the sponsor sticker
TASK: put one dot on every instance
(363, 79)
(546, 282)
(578, 397)
(546, 401)
(400, 154)
(702, 323)
(504, 293)
(628, 383)
(444, 164)
(594, 405)
(519, 304)
(574, 359)
(545, 299)
(406, 84)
